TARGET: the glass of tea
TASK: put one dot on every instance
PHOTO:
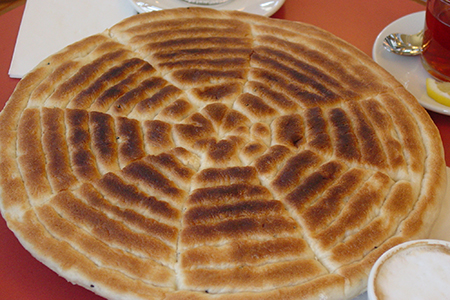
(436, 41)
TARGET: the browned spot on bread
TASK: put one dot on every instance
(123, 88)
(219, 92)
(243, 209)
(145, 89)
(227, 194)
(197, 127)
(117, 73)
(268, 163)
(128, 195)
(158, 136)
(250, 252)
(313, 185)
(175, 111)
(126, 204)
(75, 84)
(293, 172)
(237, 228)
(255, 107)
(225, 176)
(55, 147)
(328, 207)
(110, 230)
(79, 142)
(150, 106)
(318, 137)
(346, 145)
(130, 138)
(359, 209)
(32, 158)
(272, 97)
(104, 140)
(249, 278)
(147, 176)
(289, 130)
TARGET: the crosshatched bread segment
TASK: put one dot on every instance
(202, 154)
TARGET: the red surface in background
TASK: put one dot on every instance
(24, 278)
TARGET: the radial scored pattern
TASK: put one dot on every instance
(197, 154)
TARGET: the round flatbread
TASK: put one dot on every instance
(202, 154)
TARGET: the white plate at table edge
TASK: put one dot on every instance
(407, 70)
(259, 7)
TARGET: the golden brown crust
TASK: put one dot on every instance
(203, 154)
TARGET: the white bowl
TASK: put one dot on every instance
(413, 270)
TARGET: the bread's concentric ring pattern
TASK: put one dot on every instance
(198, 154)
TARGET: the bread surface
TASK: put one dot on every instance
(202, 154)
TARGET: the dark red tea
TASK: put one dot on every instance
(436, 53)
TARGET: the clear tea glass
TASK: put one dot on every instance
(436, 41)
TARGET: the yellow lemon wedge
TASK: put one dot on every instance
(439, 91)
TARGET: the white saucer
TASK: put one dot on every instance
(407, 70)
(259, 7)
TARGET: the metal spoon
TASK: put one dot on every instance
(404, 44)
